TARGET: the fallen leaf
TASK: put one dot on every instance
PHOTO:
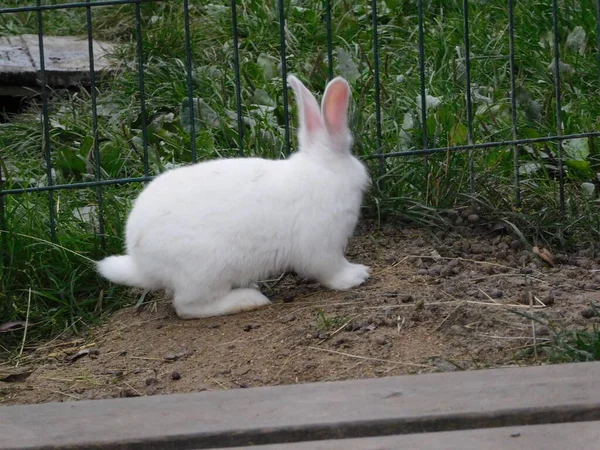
(16, 377)
(545, 255)
(91, 352)
(12, 326)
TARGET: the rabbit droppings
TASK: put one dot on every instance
(209, 231)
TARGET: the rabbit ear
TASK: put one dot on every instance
(335, 105)
(308, 108)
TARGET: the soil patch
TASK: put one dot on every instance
(434, 303)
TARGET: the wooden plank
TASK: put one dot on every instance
(345, 409)
(66, 60)
(577, 435)
(16, 66)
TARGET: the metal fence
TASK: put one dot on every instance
(40, 6)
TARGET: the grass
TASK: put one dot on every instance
(569, 345)
(66, 291)
(326, 322)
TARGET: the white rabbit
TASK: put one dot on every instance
(208, 232)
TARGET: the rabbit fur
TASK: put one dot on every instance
(207, 232)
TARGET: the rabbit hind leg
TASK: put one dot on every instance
(190, 305)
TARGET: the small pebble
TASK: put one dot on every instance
(288, 299)
(465, 213)
(443, 365)
(350, 327)
(151, 381)
(452, 214)
(496, 293)
(450, 290)
(225, 372)
(380, 340)
(515, 244)
(340, 341)
(435, 270)
(406, 298)
(550, 299)
(503, 246)
(171, 357)
(175, 375)
(473, 218)
(247, 327)
(447, 271)
(419, 242)
(125, 393)
(543, 331)
(453, 263)
(422, 272)
(288, 319)
(214, 325)
(588, 313)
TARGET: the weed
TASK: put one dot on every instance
(328, 323)
(66, 290)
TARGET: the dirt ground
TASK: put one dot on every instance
(435, 302)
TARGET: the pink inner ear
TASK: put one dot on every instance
(308, 108)
(335, 106)
(312, 115)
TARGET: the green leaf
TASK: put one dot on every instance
(346, 66)
(269, 65)
(576, 40)
(204, 115)
(458, 134)
(576, 149)
(580, 169)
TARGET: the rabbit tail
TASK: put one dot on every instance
(121, 270)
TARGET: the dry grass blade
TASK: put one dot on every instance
(368, 358)
(445, 319)
(533, 322)
(485, 263)
(337, 331)
(62, 393)
(25, 330)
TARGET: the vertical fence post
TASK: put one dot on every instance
(282, 41)
(238, 84)
(188, 69)
(46, 146)
(423, 117)
(513, 100)
(561, 178)
(468, 89)
(97, 167)
(140, 57)
(598, 34)
(329, 39)
(377, 90)
(3, 229)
